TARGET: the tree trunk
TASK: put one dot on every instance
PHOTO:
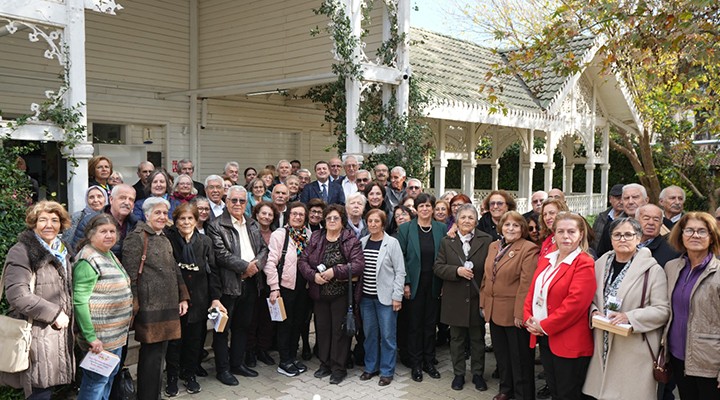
(642, 164)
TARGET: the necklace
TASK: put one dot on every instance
(429, 228)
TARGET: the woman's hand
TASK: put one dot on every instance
(618, 318)
(328, 274)
(406, 292)
(465, 273)
(396, 305)
(594, 313)
(319, 279)
(533, 326)
(183, 306)
(62, 321)
(518, 323)
(217, 304)
(96, 346)
(274, 294)
(452, 231)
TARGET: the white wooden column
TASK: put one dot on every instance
(468, 177)
(605, 166)
(548, 175)
(352, 86)
(589, 178)
(495, 170)
(440, 163)
(568, 169)
(403, 56)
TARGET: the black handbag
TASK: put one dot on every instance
(348, 326)
(123, 387)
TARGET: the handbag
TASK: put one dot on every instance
(348, 326)
(15, 337)
(661, 368)
(123, 387)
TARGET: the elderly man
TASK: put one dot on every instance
(634, 196)
(187, 167)
(283, 169)
(536, 202)
(304, 175)
(144, 170)
(348, 182)
(280, 195)
(240, 253)
(214, 191)
(414, 188)
(336, 165)
(322, 188)
(232, 171)
(672, 200)
(607, 216)
(362, 179)
(650, 217)
(396, 190)
(122, 201)
(382, 174)
(296, 165)
(556, 193)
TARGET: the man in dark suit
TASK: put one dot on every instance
(187, 167)
(322, 188)
(650, 217)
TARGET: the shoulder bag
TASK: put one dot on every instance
(661, 368)
(15, 337)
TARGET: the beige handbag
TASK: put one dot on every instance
(15, 337)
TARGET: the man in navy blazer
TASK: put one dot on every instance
(314, 190)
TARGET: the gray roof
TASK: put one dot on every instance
(453, 70)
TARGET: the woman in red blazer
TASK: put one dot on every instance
(556, 308)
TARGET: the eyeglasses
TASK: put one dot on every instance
(626, 236)
(297, 214)
(332, 218)
(414, 187)
(214, 187)
(363, 180)
(336, 166)
(236, 201)
(690, 232)
(203, 209)
(316, 212)
(532, 228)
(538, 201)
(496, 203)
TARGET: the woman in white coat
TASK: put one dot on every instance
(621, 366)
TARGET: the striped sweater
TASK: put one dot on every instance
(103, 300)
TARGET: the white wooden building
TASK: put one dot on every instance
(221, 80)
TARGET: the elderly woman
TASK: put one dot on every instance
(160, 296)
(293, 184)
(103, 301)
(38, 285)
(268, 177)
(509, 268)
(95, 199)
(420, 241)
(382, 293)
(281, 271)
(693, 286)
(549, 210)
(99, 170)
(158, 186)
(354, 207)
(183, 189)
(556, 308)
(332, 256)
(257, 192)
(203, 206)
(115, 178)
(193, 255)
(496, 204)
(315, 214)
(631, 289)
(447, 196)
(442, 211)
(460, 265)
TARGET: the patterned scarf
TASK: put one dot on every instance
(56, 248)
(299, 237)
(611, 289)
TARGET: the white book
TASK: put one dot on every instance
(103, 363)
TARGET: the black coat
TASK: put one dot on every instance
(486, 224)
(662, 251)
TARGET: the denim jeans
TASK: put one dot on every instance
(95, 386)
(380, 326)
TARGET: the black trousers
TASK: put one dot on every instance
(149, 370)
(183, 355)
(515, 361)
(693, 387)
(403, 325)
(333, 345)
(288, 331)
(423, 315)
(240, 311)
(262, 329)
(564, 376)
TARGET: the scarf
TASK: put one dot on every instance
(610, 290)
(183, 198)
(56, 248)
(299, 237)
(502, 249)
(183, 250)
(357, 230)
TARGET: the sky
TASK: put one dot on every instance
(441, 16)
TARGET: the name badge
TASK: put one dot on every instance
(468, 265)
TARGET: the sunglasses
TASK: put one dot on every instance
(414, 187)
(533, 228)
(236, 201)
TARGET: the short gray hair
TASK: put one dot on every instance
(415, 180)
(176, 182)
(637, 186)
(281, 162)
(151, 202)
(632, 221)
(185, 161)
(231, 164)
(356, 195)
(212, 178)
(304, 171)
(664, 191)
(236, 188)
(467, 207)
(399, 170)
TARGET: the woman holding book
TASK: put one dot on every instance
(631, 290)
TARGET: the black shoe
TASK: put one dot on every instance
(171, 390)
(349, 363)
(200, 371)
(204, 355)
(488, 348)
(191, 385)
(435, 361)
(366, 376)
(544, 392)
(243, 370)
(250, 359)
(264, 356)
(495, 374)
(306, 353)
(322, 372)
(432, 371)
(288, 369)
(541, 375)
(458, 382)
(300, 366)
(417, 374)
(337, 377)
(480, 383)
(227, 378)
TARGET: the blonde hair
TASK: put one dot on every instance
(47, 206)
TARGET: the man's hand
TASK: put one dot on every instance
(252, 269)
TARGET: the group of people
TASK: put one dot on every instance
(157, 257)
